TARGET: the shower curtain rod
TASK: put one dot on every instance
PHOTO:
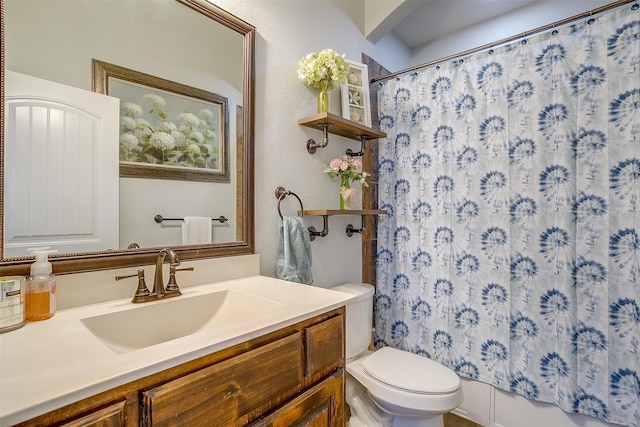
(507, 40)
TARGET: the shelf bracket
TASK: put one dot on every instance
(351, 229)
(325, 230)
(350, 152)
(312, 145)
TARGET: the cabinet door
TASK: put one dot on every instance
(320, 406)
(221, 393)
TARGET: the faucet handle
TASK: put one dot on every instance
(172, 286)
(142, 292)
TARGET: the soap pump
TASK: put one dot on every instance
(40, 301)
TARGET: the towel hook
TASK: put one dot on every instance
(281, 193)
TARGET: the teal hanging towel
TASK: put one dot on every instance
(294, 251)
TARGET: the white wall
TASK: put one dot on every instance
(286, 31)
(381, 16)
(519, 21)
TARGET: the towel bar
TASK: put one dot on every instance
(159, 218)
(281, 193)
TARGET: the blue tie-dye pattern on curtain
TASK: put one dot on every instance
(511, 251)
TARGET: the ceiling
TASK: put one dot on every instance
(436, 18)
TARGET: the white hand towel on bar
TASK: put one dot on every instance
(196, 230)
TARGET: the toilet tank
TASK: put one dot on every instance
(359, 321)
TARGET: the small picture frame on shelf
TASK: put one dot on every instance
(355, 94)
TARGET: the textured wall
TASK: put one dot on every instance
(288, 30)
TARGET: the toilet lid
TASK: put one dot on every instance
(411, 372)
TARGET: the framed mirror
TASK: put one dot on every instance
(191, 43)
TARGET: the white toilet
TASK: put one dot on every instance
(391, 387)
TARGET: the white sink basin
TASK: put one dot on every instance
(153, 323)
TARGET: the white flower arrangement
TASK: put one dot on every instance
(325, 70)
(130, 109)
(187, 143)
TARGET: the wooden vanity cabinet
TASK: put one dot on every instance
(291, 377)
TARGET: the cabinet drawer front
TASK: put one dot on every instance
(324, 344)
(222, 392)
(320, 406)
(111, 416)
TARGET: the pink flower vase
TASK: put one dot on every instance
(346, 193)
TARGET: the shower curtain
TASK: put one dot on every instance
(511, 251)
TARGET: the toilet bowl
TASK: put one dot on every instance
(402, 389)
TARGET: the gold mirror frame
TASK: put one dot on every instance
(80, 262)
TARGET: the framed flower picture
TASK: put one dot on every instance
(355, 94)
(167, 130)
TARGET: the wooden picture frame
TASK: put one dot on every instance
(355, 94)
(167, 130)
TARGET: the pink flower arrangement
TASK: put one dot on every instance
(347, 168)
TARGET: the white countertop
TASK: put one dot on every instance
(49, 364)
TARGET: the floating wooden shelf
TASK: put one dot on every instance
(330, 123)
(281, 193)
(341, 126)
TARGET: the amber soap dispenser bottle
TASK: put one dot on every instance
(40, 301)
